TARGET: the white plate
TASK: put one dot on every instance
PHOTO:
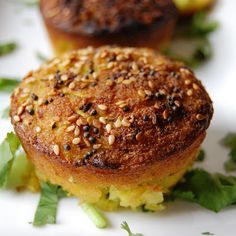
(23, 25)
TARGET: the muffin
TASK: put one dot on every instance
(113, 126)
(77, 24)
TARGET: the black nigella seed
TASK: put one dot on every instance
(174, 108)
(50, 100)
(93, 84)
(54, 125)
(93, 112)
(145, 118)
(67, 147)
(34, 97)
(86, 134)
(92, 139)
(169, 119)
(93, 151)
(46, 102)
(86, 128)
(62, 94)
(90, 71)
(31, 112)
(87, 107)
(87, 155)
(126, 108)
(95, 130)
(158, 95)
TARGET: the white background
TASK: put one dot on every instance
(23, 25)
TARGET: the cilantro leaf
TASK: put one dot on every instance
(8, 84)
(47, 206)
(5, 113)
(41, 57)
(207, 233)
(8, 150)
(229, 141)
(7, 48)
(201, 156)
(190, 43)
(96, 217)
(212, 191)
(126, 227)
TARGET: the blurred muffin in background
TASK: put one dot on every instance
(73, 24)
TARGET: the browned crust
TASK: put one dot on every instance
(105, 16)
(178, 108)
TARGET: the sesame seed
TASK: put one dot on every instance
(102, 120)
(190, 92)
(125, 122)
(37, 129)
(148, 92)
(187, 82)
(20, 110)
(195, 86)
(96, 123)
(64, 77)
(141, 93)
(200, 117)
(165, 114)
(76, 131)
(120, 79)
(139, 136)
(177, 103)
(127, 82)
(76, 141)
(71, 179)
(111, 139)
(73, 117)
(108, 128)
(70, 128)
(151, 84)
(97, 146)
(56, 149)
(118, 123)
(134, 66)
(16, 118)
(102, 107)
(72, 85)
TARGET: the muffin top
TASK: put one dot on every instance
(110, 108)
(93, 17)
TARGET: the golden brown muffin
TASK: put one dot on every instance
(78, 23)
(113, 126)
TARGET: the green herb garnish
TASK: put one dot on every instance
(229, 141)
(8, 84)
(41, 57)
(212, 191)
(201, 156)
(190, 43)
(7, 48)
(96, 217)
(47, 207)
(126, 227)
(5, 113)
(207, 233)
(29, 3)
(8, 150)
